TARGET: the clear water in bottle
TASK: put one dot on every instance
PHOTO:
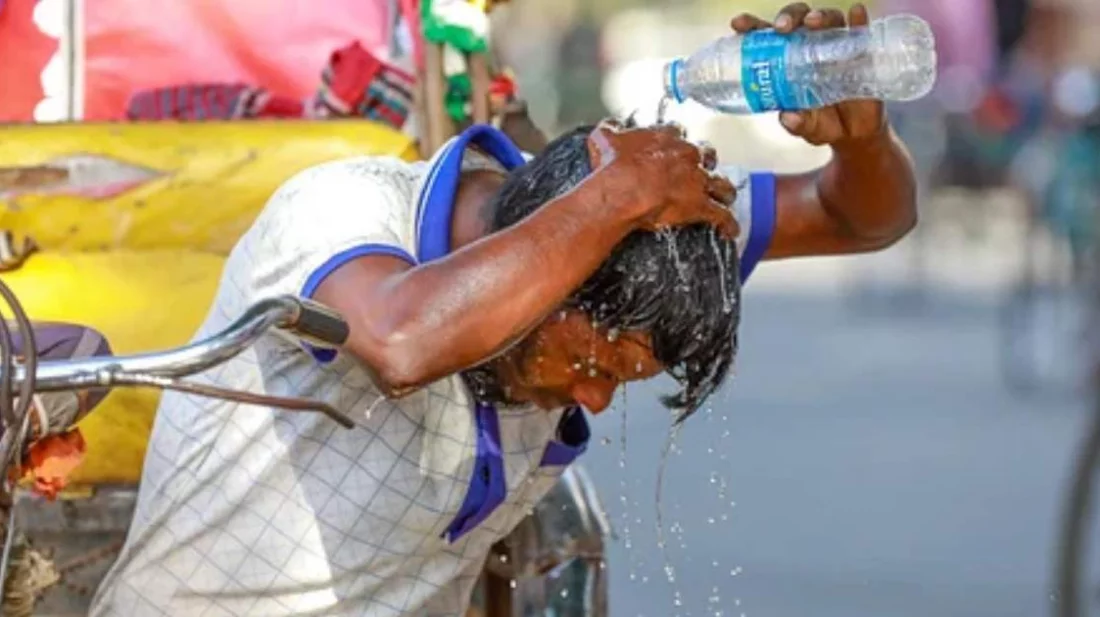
(893, 59)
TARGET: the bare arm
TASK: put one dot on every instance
(863, 200)
(414, 325)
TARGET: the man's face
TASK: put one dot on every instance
(567, 361)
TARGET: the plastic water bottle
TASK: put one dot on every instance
(893, 59)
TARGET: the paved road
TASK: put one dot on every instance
(878, 466)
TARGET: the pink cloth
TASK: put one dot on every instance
(135, 45)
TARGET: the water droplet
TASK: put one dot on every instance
(710, 520)
(606, 441)
(638, 367)
(592, 372)
(662, 108)
(565, 593)
(512, 583)
(612, 335)
(503, 558)
(576, 366)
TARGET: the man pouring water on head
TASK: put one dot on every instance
(493, 301)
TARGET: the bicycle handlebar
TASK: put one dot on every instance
(304, 318)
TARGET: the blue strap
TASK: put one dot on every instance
(488, 487)
(574, 434)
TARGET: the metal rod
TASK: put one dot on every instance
(5, 559)
(480, 81)
(281, 402)
(440, 128)
(422, 122)
(68, 45)
(1075, 520)
(194, 358)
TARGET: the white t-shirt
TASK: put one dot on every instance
(247, 510)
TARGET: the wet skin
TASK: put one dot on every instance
(413, 325)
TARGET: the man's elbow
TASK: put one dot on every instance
(895, 232)
(397, 365)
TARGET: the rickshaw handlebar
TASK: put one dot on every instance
(309, 321)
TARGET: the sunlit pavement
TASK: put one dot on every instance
(878, 464)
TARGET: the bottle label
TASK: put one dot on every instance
(764, 73)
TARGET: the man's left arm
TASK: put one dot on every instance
(865, 198)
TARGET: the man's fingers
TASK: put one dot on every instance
(673, 129)
(793, 121)
(859, 15)
(791, 17)
(721, 189)
(747, 23)
(817, 127)
(720, 216)
(709, 156)
(819, 19)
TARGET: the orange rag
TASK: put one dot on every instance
(52, 459)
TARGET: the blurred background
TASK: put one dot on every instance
(900, 428)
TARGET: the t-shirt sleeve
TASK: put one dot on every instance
(319, 220)
(754, 209)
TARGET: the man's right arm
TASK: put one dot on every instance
(412, 325)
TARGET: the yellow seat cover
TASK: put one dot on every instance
(141, 263)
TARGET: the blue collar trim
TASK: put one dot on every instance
(435, 207)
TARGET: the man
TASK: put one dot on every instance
(486, 307)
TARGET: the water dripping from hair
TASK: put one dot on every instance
(662, 531)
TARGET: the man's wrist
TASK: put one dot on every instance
(616, 190)
(880, 139)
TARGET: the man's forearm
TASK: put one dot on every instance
(442, 317)
(869, 190)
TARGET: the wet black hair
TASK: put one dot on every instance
(681, 285)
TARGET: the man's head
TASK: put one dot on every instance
(664, 301)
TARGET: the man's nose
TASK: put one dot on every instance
(595, 394)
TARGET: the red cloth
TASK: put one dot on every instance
(134, 45)
(354, 83)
